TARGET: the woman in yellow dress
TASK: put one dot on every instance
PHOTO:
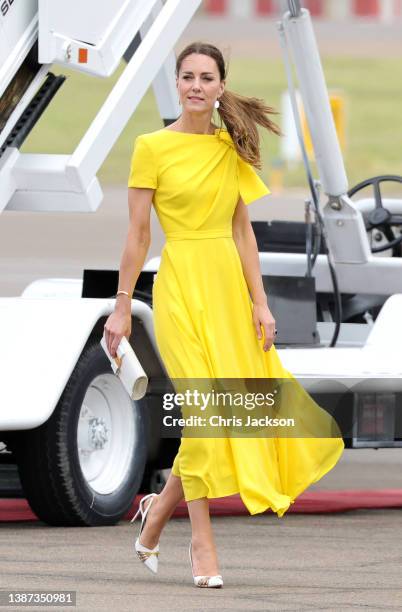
(211, 313)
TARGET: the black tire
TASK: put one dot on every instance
(48, 456)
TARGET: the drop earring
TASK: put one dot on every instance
(217, 104)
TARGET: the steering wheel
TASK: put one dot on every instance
(380, 218)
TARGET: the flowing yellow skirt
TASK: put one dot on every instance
(204, 329)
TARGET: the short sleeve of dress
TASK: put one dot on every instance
(251, 186)
(143, 169)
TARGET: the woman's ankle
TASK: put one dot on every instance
(204, 555)
(153, 526)
(201, 543)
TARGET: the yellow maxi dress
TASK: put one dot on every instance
(203, 317)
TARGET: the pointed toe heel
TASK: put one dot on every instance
(214, 582)
(149, 556)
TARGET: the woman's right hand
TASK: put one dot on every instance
(117, 325)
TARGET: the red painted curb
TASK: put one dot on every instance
(314, 502)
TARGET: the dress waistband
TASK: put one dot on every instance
(199, 234)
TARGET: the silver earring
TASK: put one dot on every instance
(217, 104)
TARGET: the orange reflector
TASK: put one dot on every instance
(82, 56)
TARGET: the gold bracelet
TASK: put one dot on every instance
(121, 291)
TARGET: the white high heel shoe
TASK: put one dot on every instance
(205, 581)
(149, 556)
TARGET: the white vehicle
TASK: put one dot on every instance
(82, 447)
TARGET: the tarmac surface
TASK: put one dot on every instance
(340, 561)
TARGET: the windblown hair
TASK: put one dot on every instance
(240, 114)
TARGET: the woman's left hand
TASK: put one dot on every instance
(262, 317)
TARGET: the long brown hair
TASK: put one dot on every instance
(240, 114)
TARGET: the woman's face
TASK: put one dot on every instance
(198, 83)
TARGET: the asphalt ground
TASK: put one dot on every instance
(348, 561)
(340, 561)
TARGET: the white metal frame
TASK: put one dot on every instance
(358, 270)
(104, 55)
(68, 183)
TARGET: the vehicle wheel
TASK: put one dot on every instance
(84, 465)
